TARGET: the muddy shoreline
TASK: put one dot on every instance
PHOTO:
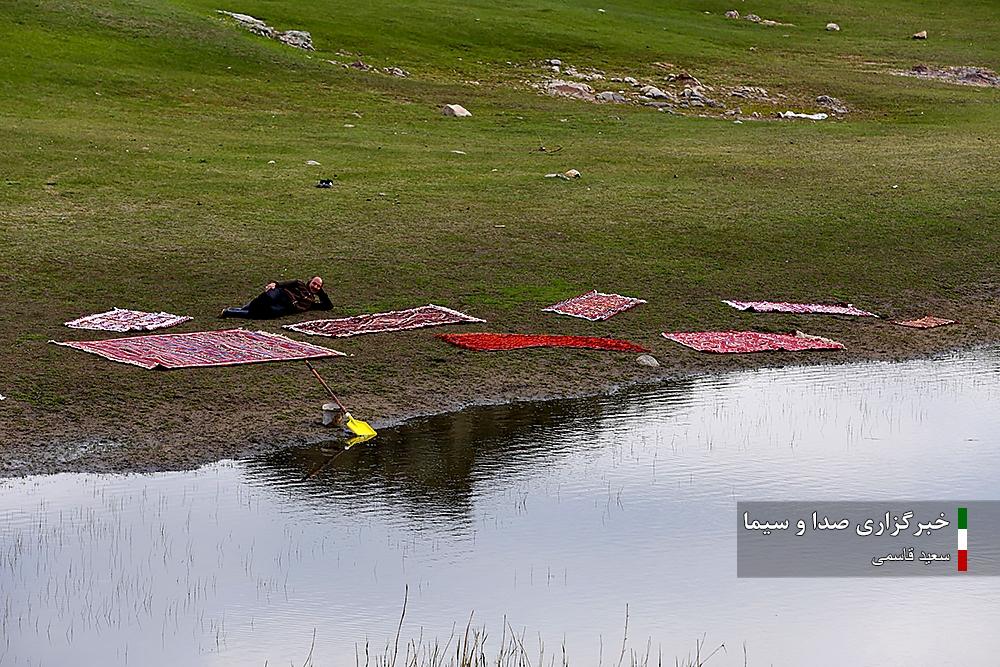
(179, 430)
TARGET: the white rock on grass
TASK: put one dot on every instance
(312, 163)
(580, 91)
(300, 39)
(654, 93)
(455, 110)
(611, 96)
(647, 360)
(920, 35)
(807, 116)
(832, 27)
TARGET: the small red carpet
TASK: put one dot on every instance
(929, 322)
(498, 341)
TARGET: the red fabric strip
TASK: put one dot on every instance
(500, 341)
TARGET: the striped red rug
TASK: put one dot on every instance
(489, 342)
(799, 308)
(202, 348)
(735, 342)
(396, 320)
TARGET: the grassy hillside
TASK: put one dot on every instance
(136, 157)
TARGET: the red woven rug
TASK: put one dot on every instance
(202, 348)
(928, 322)
(396, 320)
(500, 341)
(121, 320)
(594, 305)
(799, 308)
(732, 342)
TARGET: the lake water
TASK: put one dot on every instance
(544, 518)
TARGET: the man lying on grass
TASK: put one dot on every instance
(284, 298)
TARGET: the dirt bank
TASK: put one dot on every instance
(188, 418)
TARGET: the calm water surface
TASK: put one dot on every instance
(554, 516)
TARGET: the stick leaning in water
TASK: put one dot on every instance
(355, 426)
(333, 457)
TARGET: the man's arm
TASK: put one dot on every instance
(324, 301)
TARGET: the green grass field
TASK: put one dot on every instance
(136, 147)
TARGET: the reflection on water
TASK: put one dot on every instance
(552, 515)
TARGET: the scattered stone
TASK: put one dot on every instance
(654, 93)
(753, 18)
(732, 14)
(396, 71)
(455, 110)
(572, 173)
(580, 91)
(831, 103)
(611, 96)
(271, 162)
(589, 75)
(361, 65)
(300, 39)
(562, 176)
(966, 76)
(601, 11)
(684, 77)
(695, 96)
(553, 62)
(324, 183)
(459, 152)
(920, 35)
(750, 93)
(312, 163)
(807, 116)
(832, 27)
(631, 81)
(647, 360)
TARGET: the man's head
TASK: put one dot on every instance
(315, 283)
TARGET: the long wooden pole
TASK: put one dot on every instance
(325, 385)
